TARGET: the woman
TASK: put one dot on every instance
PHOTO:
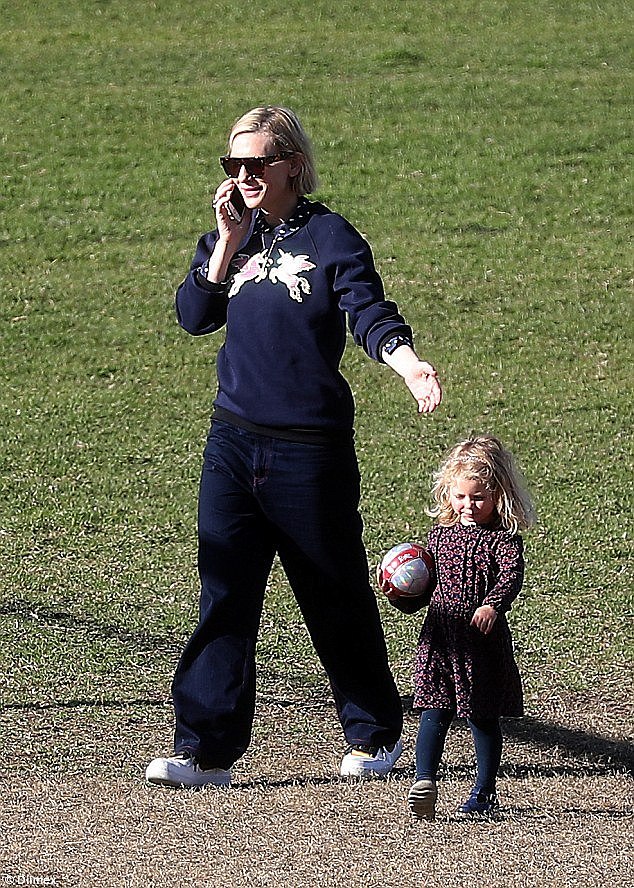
(280, 473)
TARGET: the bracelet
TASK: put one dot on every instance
(394, 342)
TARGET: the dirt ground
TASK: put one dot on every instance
(78, 813)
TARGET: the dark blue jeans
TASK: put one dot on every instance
(259, 496)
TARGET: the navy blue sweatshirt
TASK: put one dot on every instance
(284, 304)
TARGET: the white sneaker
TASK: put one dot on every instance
(184, 770)
(370, 761)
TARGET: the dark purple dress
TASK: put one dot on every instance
(456, 666)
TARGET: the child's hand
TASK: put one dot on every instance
(383, 584)
(484, 618)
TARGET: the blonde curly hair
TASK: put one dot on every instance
(483, 458)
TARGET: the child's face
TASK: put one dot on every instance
(471, 501)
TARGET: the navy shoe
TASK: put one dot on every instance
(479, 802)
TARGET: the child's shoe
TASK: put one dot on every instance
(480, 802)
(422, 800)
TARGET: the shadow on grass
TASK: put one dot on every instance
(605, 753)
(82, 703)
(91, 626)
(595, 753)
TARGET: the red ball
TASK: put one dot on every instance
(407, 571)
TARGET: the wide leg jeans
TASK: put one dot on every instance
(260, 496)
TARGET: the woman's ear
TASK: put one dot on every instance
(296, 165)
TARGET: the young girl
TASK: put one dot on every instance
(464, 660)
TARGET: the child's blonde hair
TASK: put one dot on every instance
(483, 458)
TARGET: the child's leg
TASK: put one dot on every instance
(432, 732)
(487, 738)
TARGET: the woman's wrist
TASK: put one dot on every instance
(404, 361)
(203, 280)
(216, 267)
(394, 342)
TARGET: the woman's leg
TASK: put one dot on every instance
(214, 683)
(311, 494)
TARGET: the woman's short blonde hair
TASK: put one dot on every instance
(287, 134)
(483, 458)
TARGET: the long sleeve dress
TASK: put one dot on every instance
(457, 667)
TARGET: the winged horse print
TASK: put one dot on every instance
(287, 271)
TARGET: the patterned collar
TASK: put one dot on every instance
(302, 213)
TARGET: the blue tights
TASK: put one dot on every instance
(432, 732)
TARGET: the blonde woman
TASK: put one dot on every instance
(282, 276)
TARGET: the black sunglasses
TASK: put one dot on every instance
(253, 165)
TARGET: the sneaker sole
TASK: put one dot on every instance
(422, 800)
(364, 773)
(173, 784)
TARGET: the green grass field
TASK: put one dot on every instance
(485, 150)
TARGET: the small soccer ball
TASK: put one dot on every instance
(407, 571)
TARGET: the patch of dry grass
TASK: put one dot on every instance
(117, 833)
(290, 821)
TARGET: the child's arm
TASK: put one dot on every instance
(509, 563)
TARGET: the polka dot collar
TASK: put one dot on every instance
(302, 213)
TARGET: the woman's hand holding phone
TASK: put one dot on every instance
(230, 231)
(232, 215)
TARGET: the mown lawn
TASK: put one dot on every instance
(485, 151)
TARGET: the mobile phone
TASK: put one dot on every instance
(236, 205)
